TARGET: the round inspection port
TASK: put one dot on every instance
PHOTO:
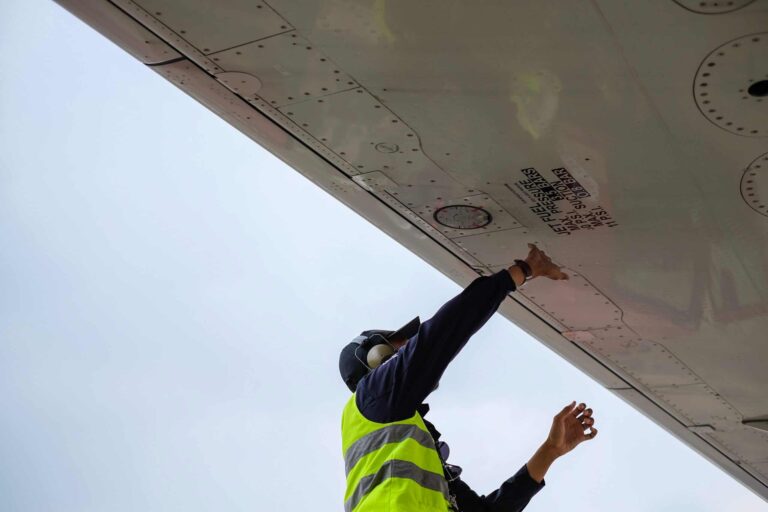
(462, 217)
(730, 85)
(754, 185)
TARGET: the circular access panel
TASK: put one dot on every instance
(387, 147)
(731, 86)
(754, 185)
(462, 217)
(710, 7)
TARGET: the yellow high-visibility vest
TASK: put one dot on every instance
(391, 467)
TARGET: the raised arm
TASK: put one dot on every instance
(393, 391)
(573, 425)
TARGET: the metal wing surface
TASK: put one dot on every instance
(628, 139)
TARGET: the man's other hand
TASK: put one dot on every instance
(570, 427)
(541, 264)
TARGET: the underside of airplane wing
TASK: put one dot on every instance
(628, 139)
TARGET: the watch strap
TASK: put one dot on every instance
(526, 268)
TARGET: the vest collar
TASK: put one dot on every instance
(423, 409)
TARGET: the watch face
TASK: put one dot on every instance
(463, 217)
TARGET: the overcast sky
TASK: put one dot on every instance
(173, 299)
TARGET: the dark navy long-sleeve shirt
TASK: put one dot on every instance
(397, 389)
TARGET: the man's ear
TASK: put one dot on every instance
(378, 354)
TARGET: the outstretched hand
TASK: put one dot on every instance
(568, 428)
(541, 264)
(567, 432)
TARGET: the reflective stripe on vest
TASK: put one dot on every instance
(378, 438)
(391, 466)
(397, 469)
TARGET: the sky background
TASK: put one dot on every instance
(173, 299)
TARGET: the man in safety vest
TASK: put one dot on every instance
(394, 459)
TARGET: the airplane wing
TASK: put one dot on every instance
(628, 139)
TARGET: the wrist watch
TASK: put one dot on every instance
(526, 268)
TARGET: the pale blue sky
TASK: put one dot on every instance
(173, 299)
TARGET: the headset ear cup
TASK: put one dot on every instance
(378, 354)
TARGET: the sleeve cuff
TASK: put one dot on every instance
(506, 278)
(526, 477)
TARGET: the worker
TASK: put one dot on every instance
(394, 458)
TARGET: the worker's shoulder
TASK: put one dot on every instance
(378, 405)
